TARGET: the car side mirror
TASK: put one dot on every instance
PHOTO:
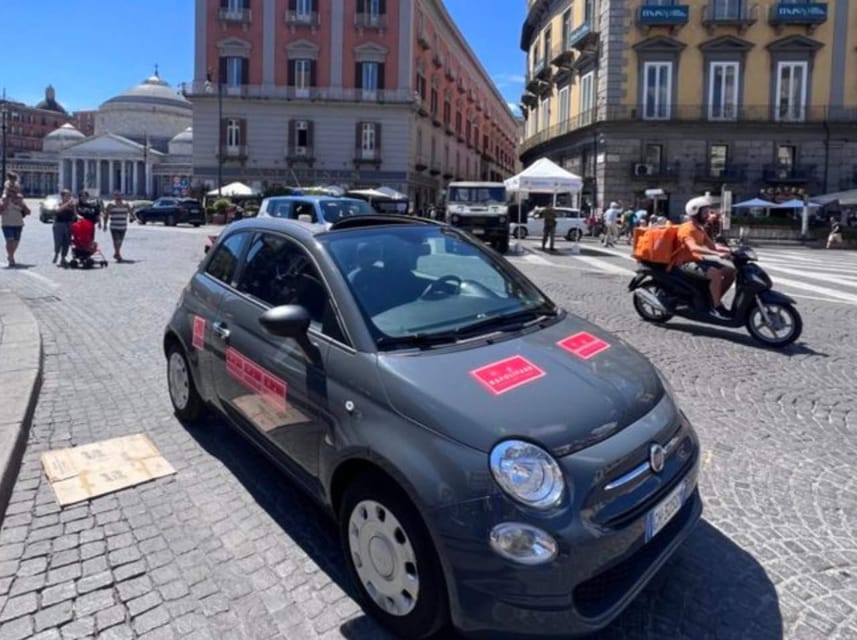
(291, 321)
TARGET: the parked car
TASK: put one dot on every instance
(491, 459)
(322, 210)
(48, 207)
(172, 211)
(570, 224)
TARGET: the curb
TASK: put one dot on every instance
(21, 361)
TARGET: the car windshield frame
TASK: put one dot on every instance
(343, 204)
(522, 301)
(474, 195)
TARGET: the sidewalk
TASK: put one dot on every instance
(20, 381)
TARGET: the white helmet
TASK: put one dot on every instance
(695, 204)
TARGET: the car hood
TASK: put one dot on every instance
(565, 398)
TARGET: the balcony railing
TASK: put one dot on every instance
(791, 174)
(328, 94)
(370, 20)
(656, 15)
(235, 151)
(583, 37)
(729, 172)
(422, 38)
(420, 163)
(298, 154)
(294, 18)
(764, 114)
(562, 54)
(370, 156)
(740, 15)
(434, 167)
(802, 13)
(241, 16)
(450, 131)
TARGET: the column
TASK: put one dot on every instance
(135, 177)
(98, 175)
(61, 175)
(111, 175)
(73, 176)
(124, 177)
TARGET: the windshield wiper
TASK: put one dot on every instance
(509, 321)
(420, 340)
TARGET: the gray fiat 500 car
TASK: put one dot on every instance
(492, 461)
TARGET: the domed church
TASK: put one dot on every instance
(142, 145)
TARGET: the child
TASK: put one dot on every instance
(11, 188)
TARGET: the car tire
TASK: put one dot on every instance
(574, 235)
(186, 400)
(141, 220)
(171, 221)
(521, 233)
(196, 224)
(503, 245)
(376, 517)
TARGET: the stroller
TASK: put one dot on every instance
(84, 249)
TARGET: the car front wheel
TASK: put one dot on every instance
(521, 233)
(183, 393)
(573, 235)
(141, 220)
(391, 558)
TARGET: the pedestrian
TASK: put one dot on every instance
(835, 236)
(115, 216)
(66, 214)
(13, 210)
(549, 228)
(611, 222)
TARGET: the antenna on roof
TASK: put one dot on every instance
(156, 71)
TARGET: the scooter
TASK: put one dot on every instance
(769, 316)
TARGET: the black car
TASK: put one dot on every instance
(172, 211)
(492, 460)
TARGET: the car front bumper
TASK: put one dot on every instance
(598, 571)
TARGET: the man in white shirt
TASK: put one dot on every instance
(611, 224)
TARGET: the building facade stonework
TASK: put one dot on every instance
(362, 93)
(693, 96)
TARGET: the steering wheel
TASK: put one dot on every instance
(447, 285)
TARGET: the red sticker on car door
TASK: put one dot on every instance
(583, 345)
(198, 338)
(505, 375)
(269, 387)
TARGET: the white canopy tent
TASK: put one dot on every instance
(755, 203)
(385, 193)
(544, 176)
(234, 189)
(796, 204)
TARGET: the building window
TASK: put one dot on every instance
(546, 113)
(303, 9)
(657, 90)
(233, 135)
(587, 98)
(458, 123)
(791, 91)
(717, 158)
(235, 6)
(588, 11)
(547, 42)
(786, 155)
(723, 91)
(301, 135)
(563, 109)
(234, 72)
(369, 73)
(367, 140)
(566, 28)
(433, 106)
(654, 155)
(421, 86)
(374, 9)
(727, 9)
(447, 110)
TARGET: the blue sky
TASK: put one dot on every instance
(78, 48)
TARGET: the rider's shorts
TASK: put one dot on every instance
(699, 269)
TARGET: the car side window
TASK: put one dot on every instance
(224, 262)
(305, 209)
(278, 272)
(281, 209)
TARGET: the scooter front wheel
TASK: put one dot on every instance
(644, 298)
(775, 324)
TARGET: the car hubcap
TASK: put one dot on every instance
(179, 381)
(383, 558)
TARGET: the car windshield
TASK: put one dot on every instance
(335, 210)
(426, 282)
(477, 195)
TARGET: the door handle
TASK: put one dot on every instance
(219, 329)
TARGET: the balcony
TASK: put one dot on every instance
(237, 16)
(450, 72)
(742, 16)
(367, 156)
(300, 154)
(295, 19)
(434, 167)
(235, 152)
(364, 21)
(673, 16)
(420, 163)
(529, 99)
(460, 85)
(661, 172)
(422, 38)
(421, 104)
(562, 55)
(437, 59)
(435, 119)
(785, 174)
(447, 174)
(200, 89)
(448, 129)
(809, 14)
(583, 38)
(729, 172)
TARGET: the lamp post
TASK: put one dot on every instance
(219, 128)
(3, 109)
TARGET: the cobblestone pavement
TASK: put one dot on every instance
(227, 548)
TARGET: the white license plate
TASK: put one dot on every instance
(658, 517)
(477, 231)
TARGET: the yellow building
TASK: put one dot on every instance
(689, 97)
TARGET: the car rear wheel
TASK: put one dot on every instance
(171, 221)
(521, 233)
(391, 558)
(574, 235)
(183, 393)
(141, 220)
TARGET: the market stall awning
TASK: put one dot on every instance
(544, 176)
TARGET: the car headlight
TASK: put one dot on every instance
(527, 473)
(454, 219)
(502, 219)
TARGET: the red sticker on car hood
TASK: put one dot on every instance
(583, 345)
(505, 375)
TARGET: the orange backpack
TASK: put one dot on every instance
(656, 244)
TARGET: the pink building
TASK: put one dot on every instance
(357, 92)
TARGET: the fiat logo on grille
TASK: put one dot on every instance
(657, 457)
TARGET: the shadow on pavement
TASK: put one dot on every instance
(711, 588)
(736, 336)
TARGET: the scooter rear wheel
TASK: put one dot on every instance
(777, 325)
(645, 310)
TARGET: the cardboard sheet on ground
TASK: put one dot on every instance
(90, 470)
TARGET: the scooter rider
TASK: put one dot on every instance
(700, 256)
